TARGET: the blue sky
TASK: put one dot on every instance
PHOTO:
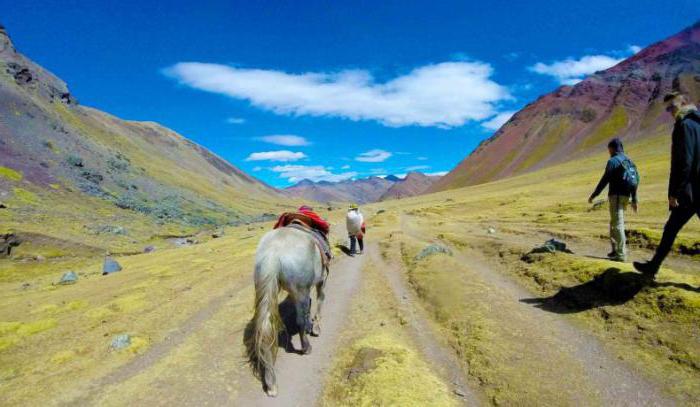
(330, 90)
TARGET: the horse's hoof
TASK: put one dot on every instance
(271, 391)
(307, 350)
(316, 330)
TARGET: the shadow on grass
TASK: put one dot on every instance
(344, 249)
(612, 287)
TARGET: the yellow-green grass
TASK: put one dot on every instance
(656, 331)
(550, 139)
(67, 330)
(380, 365)
(10, 174)
(612, 126)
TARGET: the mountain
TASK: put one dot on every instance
(76, 168)
(415, 183)
(624, 101)
(360, 191)
(365, 190)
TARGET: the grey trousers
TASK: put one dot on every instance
(618, 204)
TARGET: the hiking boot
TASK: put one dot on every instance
(611, 255)
(648, 268)
(619, 259)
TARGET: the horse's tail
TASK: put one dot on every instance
(267, 318)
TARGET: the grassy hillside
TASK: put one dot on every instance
(573, 121)
(187, 306)
(76, 183)
(652, 327)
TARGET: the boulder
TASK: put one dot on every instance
(121, 341)
(7, 242)
(550, 246)
(431, 250)
(149, 249)
(110, 266)
(68, 278)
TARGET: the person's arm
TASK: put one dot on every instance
(681, 159)
(604, 180)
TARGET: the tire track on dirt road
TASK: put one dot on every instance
(615, 382)
(439, 355)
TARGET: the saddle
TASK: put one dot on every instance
(302, 222)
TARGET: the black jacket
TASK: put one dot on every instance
(613, 176)
(684, 182)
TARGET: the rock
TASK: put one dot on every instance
(39, 257)
(459, 392)
(121, 341)
(365, 360)
(149, 249)
(110, 266)
(7, 242)
(380, 211)
(2, 205)
(68, 278)
(597, 205)
(491, 230)
(217, 234)
(550, 246)
(431, 250)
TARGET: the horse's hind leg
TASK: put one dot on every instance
(320, 296)
(303, 310)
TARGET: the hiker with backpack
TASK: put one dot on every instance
(684, 180)
(622, 179)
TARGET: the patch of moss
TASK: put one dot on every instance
(9, 173)
(389, 374)
(31, 328)
(24, 197)
(62, 357)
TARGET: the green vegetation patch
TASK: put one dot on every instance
(611, 127)
(9, 173)
(655, 322)
(382, 371)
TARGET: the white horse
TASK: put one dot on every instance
(287, 258)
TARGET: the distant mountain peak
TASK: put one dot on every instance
(392, 177)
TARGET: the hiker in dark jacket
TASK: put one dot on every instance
(684, 181)
(619, 195)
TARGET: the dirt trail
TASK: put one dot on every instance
(440, 356)
(301, 378)
(614, 382)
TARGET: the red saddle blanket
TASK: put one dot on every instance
(304, 223)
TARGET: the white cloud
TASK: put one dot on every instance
(289, 140)
(497, 121)
(282, 155)
(446, 94)
(634, 49)
(373, 156)
(296, 173)
(345, 167)
(438, 174)
(235, 120)
(256, 169)
(417, 167)
(571, 71)
(421, 158)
